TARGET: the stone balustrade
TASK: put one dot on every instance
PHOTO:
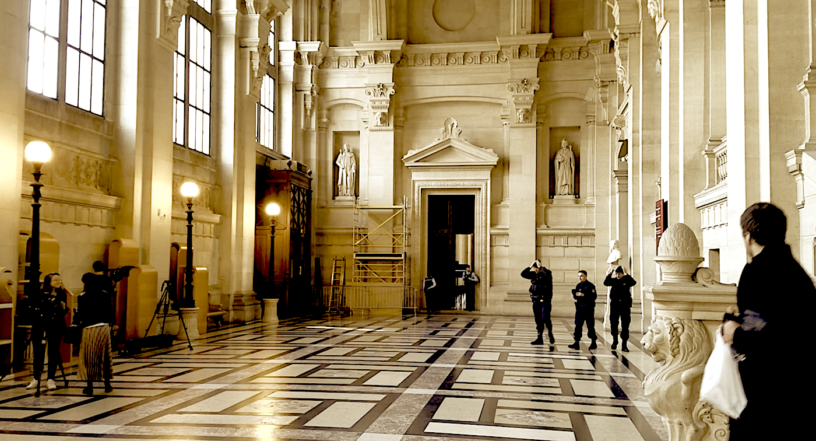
(688, 306)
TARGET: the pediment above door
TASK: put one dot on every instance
(451, 152)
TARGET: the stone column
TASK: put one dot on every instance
(521, 155)
(377, 164)
(691, 101)
(762, 68)
(155, 176)
(689, 305)
(645, 159)
(669, 26)
(13, 43)
(716, 87)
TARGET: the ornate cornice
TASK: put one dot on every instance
(171, 13)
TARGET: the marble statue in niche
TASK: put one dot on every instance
(380, 119)
(347, 166)
(523, 116)
(564, 170)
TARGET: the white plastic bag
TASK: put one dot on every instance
(722, 386)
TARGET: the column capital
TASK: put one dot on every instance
(716, 4)
(522, 93)
(266, 9)
(379, 100)
(169, 21)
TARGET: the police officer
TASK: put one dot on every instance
(620, 304)
(584, 295)
(541, 292)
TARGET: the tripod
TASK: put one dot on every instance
(164, 306)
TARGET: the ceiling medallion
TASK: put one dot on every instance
(453, 15)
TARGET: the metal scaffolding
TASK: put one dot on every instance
(380, 244)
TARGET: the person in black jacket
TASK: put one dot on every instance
(50, 308)
(428, 287)
(585, 296)
(94, 314)
(775, 297)
(620, 305)
(541, 292)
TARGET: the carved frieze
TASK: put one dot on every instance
(75, 170)
(171, 13)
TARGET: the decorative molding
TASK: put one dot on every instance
(71, 206)
(379, 103)
(75, 170)
(379, 52)
(170, 19)
(572, 53)
(522, 93)
(450, 129)
(794, 162)
(523, 47)
(269, 9)
(655, 8)
(716, 3)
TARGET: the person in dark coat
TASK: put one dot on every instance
(772, 290)
(94, 314)
(541, 292)
(620, 305)
(585, 296)
(470, 279)
(50, 307)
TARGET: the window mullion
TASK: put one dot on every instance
(187, 83)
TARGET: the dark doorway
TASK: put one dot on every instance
(448, 215)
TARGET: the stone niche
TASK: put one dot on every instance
(453, 21)
(573, 135)
(352, 138)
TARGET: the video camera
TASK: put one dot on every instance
(117, 274)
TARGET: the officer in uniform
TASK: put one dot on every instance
(541, 292)
(620, 305)
(585, 296)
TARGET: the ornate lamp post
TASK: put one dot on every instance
(187, 307)
(271, 303)
(38, 153)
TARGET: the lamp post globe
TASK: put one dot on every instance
(38, 152)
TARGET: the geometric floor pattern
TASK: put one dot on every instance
(407, 378)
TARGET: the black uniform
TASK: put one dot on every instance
(775, 297)
(620, 305)
(541, 292)
(48, 327)
(585, 309)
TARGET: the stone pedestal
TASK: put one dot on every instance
(564, 200)
(689, 305)
(190, 318)
(270, 311)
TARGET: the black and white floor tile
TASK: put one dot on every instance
(444, 378)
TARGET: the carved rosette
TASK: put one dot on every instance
(379, 99)
(678, 254)
(522, 93)
(171, 13)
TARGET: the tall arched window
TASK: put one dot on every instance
(80, 34)
(193, 79)
(265, 114)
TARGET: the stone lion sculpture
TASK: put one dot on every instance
(681, 347)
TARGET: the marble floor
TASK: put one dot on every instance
(444, 378)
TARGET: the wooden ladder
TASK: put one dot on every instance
(337, 281)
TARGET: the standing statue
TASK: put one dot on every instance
(347, 170)
(613, 260)
(564, 170)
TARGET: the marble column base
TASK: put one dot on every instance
(190, 317)
(270, 311)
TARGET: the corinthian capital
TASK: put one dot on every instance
(171, 12)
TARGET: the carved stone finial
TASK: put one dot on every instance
(450, 129)
(678, 254)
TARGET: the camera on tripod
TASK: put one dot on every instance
(160, 340)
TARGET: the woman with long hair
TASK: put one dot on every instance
(48, 327)
(94, 314)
